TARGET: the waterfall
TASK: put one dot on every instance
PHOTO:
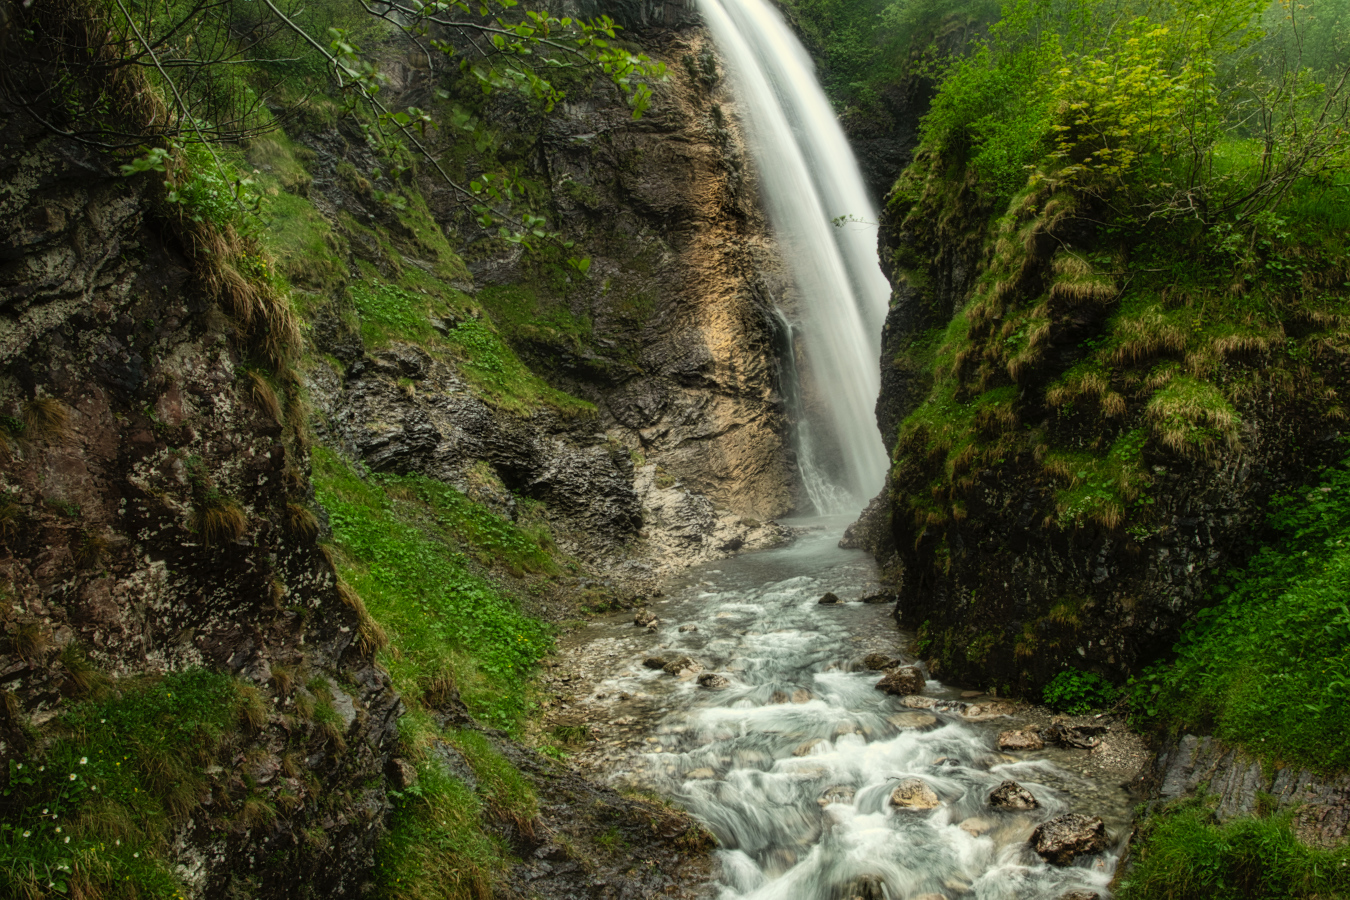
(808, 178)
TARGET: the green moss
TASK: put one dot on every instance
(309, 253)
(505, 789)
(501, 378)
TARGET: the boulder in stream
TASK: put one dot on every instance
(868, 887)
(655, 662)
(1011, 795)
(916, 701)
(686, 628)
(839, 793)
(1081, 895)
(914, 793)
(1065, 838)
(682, 666)
(912, 719)
(645, 618)
(879, 598)
(902, 680)
(880, 662)
(1020, 740)
(829, 599)
(1084, 737)
(713, 682)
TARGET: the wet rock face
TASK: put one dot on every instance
(1238, 782)
(902, 681)
(1011, 795)
(101, 311)
(1065, 838)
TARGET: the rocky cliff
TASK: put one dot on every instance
(174, 616)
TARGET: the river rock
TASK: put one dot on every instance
(801, 695)
(914, 793)
(903, 680)
(912, 720)
(644, 618)
(1020, 740)
(655, 662)
(839, 793)
(700, 774)
(805, 748)
(830, 599)
(917, 702)
(1081, 895)
(878, 662)
(1064, 838)
(878, 598)
(976, 826)
(1011, 795)
(686, 628)
(682, 666)
(991, 709)
(713, 682)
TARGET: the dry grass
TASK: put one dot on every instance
(218, 521)
(300, 521)
(30, 641)
(373, 636)
(45, 417)
(1146, 336)
(82, 675)
(90, 548)
(259, 309)
(1193, 419)
(264, 397)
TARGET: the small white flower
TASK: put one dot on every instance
(27, 833)
(119, 842)
(136, 856)
(58, 829)
(44, 810)
(19, 766)
(72, 776)
(102, 721)
(42, 768)
(93, 787)
(67, 840)
(84, 760)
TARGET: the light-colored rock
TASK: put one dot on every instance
(806, 748)
(801, 695)
(911, 719)
(915, 701)
(713, 682)
(914, 793)
(838, 793)
(682, 666)
(645, 618)
(976, 826)
(700, 774)
(1020, 740)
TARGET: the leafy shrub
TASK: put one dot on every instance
(1076, 692)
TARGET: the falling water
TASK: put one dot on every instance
(808, 179)
(825, 496)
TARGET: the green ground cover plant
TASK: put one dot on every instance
(403, 544)
(1077, 692)
(91, 815)
(1185, 854)
(1267, 667)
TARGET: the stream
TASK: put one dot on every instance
(791, 765)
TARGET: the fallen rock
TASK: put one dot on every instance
(829, 599)
(402, 773)
(903, 680)
(681, 666)
(878, 662)
(644, 618)
(914, 793)
(713, 682)
(1064, 838)
(654, 662)
(1011, 795)
(917, 702)
(912, 720)
(1020, 740)
(839, 793)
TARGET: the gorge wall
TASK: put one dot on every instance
(176, 591)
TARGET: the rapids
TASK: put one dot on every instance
(792, 764)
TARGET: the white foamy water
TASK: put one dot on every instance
(792, 766)
(808, 177)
